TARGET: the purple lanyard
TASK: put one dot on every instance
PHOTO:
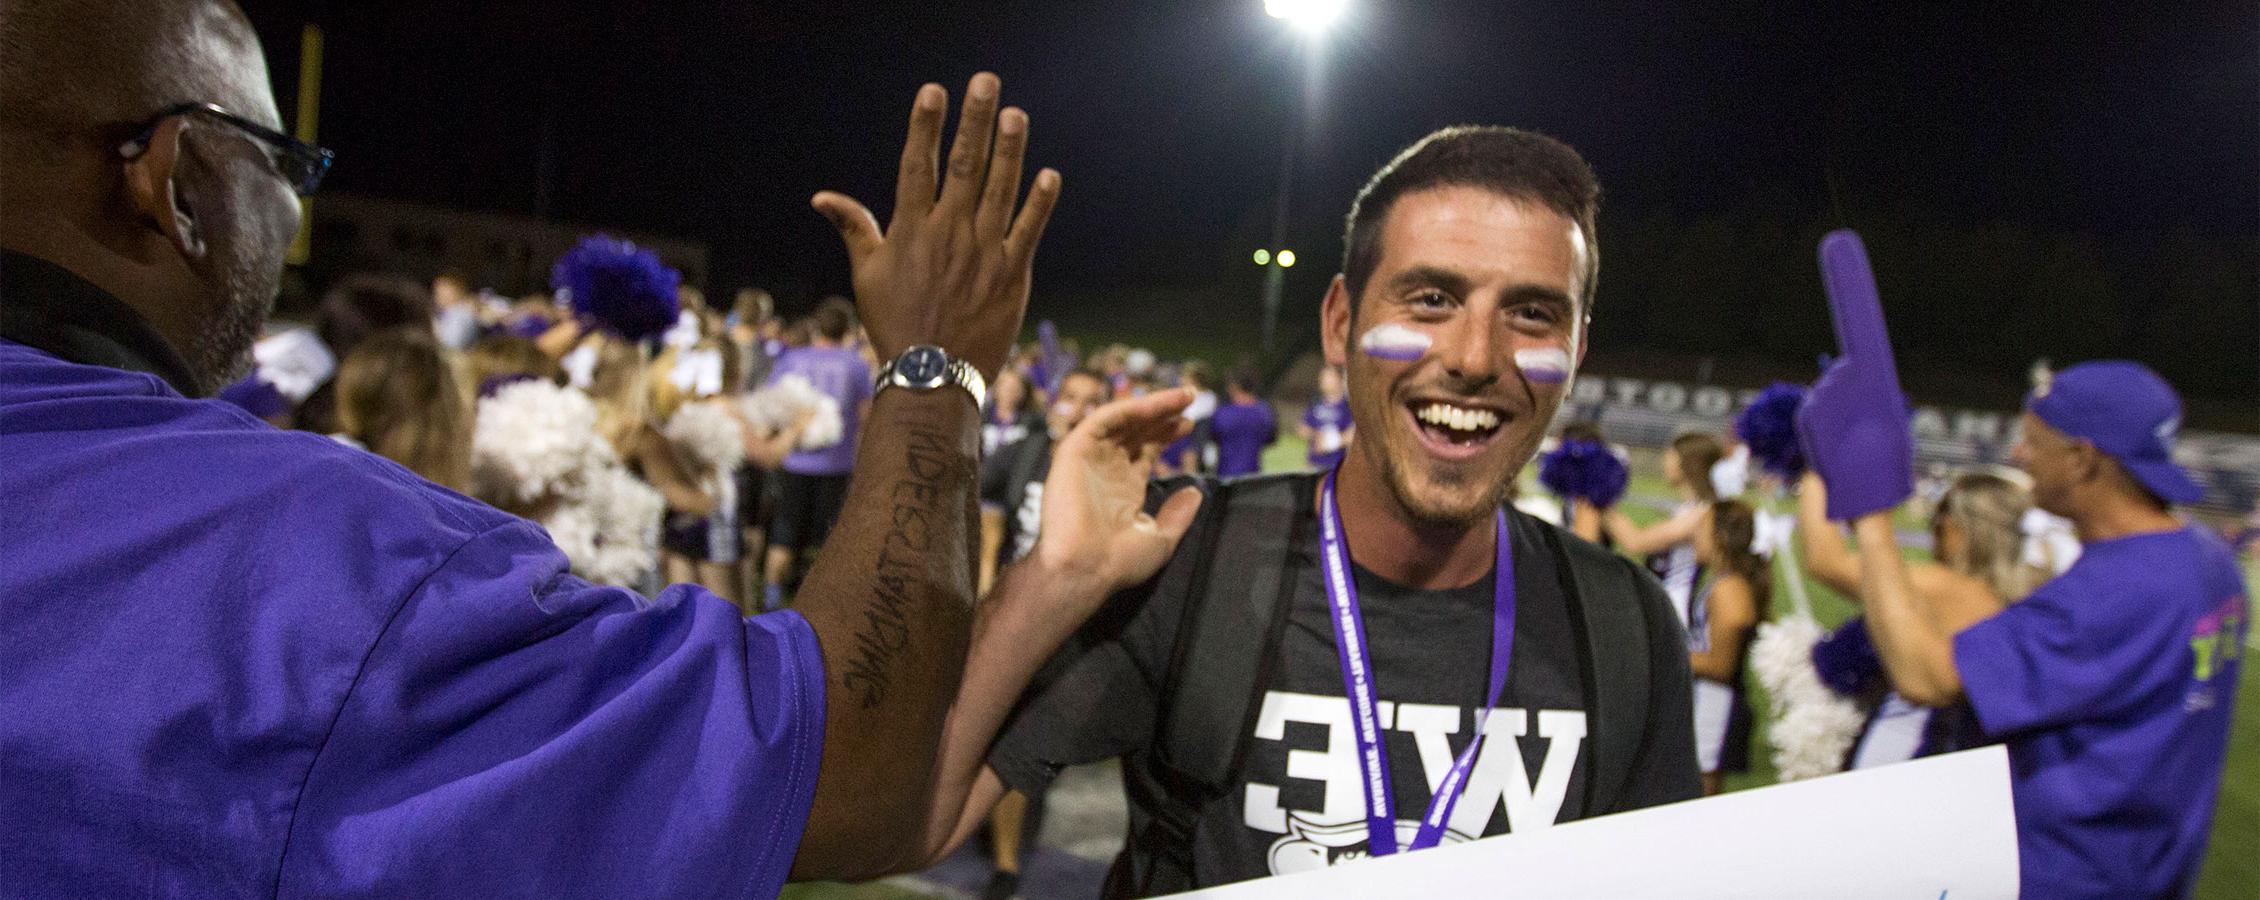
(1357, 682)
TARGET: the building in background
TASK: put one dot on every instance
(507, 253)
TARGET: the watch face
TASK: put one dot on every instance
(922, 365)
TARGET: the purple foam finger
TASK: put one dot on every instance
(1855, 305)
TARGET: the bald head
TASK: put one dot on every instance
(73, 65)
(189, 229)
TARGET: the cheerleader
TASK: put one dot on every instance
(400, 396)
(1978, 544)
(1669, 546)
(1724, 618)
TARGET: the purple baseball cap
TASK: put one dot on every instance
(2126, 411)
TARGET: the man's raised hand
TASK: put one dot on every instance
(951, 270)
(1096, 531)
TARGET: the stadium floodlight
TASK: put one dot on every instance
(1311, 16)
(1263, 257)
(1286, 259)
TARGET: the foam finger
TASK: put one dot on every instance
(1853, 302)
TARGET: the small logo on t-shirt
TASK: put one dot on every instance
(1310, 846)
(2218, 638)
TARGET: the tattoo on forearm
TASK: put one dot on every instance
(885, 634)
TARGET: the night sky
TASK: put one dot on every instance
(716, 121)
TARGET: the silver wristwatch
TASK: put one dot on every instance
(925, 367)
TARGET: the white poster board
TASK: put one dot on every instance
(1941, 828)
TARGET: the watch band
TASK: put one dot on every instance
(925, 367)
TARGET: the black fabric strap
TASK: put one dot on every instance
(1222, 660)
(47, 307)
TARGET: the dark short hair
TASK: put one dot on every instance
(833, 318)
(361, 305)
(1511, 162)
(1106, 385)
(1246, 380)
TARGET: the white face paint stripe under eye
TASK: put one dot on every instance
(1395, 342)
(1544, 365)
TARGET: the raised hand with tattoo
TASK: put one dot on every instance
(891, 597)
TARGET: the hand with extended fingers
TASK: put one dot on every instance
(1853, 424)
(951, 271)
(1096, 532)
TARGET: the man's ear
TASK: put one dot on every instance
(2092, 465)
(1334, 323)
(154, 184)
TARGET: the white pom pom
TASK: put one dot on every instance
(531, 439)
(535, 444)
(1813, 726)
(707, 434)
(777, 405)
(624, 513)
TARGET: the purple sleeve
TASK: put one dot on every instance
(2067, 653)
(517, 731)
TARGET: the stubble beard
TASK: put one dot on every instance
(220, 352)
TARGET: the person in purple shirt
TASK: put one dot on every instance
(2112, 684)
(811, 483)
(243, 661)
(1242, 427)
(1326, 428)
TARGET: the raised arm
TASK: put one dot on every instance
(1917, 648)
(1635, 540)
(1826, 556)
(1854, 429)
(891, 598)
(1096, 539)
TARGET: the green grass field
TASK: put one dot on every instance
(2232, 862)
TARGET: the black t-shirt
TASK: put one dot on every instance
(1012, 480)
(1299, 803)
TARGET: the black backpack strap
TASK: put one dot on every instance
(1223, 658)
(1612, 625)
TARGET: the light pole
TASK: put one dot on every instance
(1310, 19)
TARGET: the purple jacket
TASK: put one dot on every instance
(237, 660)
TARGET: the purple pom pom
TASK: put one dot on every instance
(623, 288)
(1769, 428)
(1846, 659)
(1584, 470)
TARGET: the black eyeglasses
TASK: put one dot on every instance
(300, 163)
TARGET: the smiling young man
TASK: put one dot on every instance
(1302, 681)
